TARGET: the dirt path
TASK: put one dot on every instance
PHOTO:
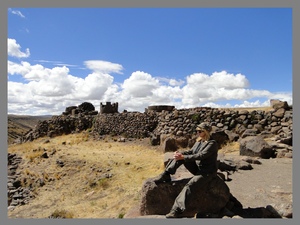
(269, 183)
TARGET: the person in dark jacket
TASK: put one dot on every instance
(200, 160)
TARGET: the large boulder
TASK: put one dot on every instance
(256, 146)
(86, 107)
(277, 104)
(158, 199)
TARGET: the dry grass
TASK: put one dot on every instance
(99, 179)
(230, 148)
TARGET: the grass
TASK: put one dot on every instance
(99, 179)
(230, 148)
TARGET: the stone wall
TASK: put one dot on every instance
(127, 124)
(59, 125)
(228, 125)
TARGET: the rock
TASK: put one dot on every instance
(154, 139)
(279, 113)
(256, 146)
(159, 198)
(231, 136)
(251, 160)
(249, 132)
(182, 142)
(226, 165)
(16, 194)
(277, 104)
(242, 165)
(169, 145)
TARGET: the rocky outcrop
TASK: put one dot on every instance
(16, 193)
(158, 199)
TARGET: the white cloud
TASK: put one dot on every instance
(13, 49)
(93, 87)
(51, 90)
(103, 66)
(202, 88)
(174, 82)
(227, 80)
(17, 12)
(140, 84)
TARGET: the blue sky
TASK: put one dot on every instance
(186, 57)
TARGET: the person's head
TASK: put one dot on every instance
(204, 130)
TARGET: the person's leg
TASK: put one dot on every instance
(171, 168)
(186, 194)
(191, 167)
(173, 165)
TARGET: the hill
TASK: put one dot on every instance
(17, 125)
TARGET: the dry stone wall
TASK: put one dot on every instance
(59, 125)
(127, 124)
(228, 125)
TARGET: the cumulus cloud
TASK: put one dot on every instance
(103, 66)
(140, 84)
(13, 49)
(202, 88)
(50, 90)
(93, 86)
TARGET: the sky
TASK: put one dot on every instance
(185, 57)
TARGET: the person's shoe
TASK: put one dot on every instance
(164, 177)
(174, 213)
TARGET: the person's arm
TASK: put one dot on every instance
(208, 150)
(190, 151)
(180, 155)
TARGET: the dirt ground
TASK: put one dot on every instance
(270, 183)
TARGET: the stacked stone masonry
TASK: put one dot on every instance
(276, 123)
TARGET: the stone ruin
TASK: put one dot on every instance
(85, 108)
(160, 108)
(109, 108)
(177, 127)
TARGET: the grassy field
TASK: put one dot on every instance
(99, 179)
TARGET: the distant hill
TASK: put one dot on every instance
(20, 124)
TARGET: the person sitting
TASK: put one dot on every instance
(200, 160)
